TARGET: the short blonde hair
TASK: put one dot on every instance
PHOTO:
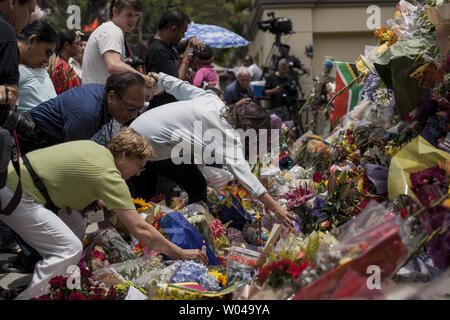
(131, 142)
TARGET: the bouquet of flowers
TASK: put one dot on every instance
(106, 248)
(90, 289)
(282, 271)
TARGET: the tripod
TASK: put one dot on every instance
(271, 57)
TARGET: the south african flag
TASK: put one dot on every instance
(345, 73)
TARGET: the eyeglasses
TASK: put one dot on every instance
(130, 108)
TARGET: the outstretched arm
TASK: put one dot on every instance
(180, 89)
(150, 237)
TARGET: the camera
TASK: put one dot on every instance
(12, 120)
(135, 62)
(289, 87)
(289, 94)
(276, 25)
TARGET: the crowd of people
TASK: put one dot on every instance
(87, 120)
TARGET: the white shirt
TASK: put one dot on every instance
(107, 37)
(256, 72)
(169, 126)
(76, 67)
(35, 87)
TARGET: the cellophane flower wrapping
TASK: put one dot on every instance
(136, 271)
(376, 237)
(107, 247)
(179, 272)
(200, 218)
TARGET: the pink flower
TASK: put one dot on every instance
(97, 255)
(334, 168)
(76, 296)
(217, 228)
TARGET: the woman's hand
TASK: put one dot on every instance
(193, 254)
(286, 217)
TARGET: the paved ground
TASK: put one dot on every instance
(16, 282)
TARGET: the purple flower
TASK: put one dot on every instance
(433, 129)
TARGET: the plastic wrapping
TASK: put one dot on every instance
(241, 262)
(107, 247)
(440, 17)
(185, 235)
(374, 238)
(136, 270)
(415, 156)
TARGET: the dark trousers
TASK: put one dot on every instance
(151, 180)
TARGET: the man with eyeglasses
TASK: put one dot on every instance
(79, 113)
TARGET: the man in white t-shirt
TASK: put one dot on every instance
(105, 49)
(254, 69)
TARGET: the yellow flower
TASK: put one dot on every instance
(220, 278)
(361, 185)
(363, 70)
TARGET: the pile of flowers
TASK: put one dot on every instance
(90, 289)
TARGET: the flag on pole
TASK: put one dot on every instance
(91, 27)
(346, 73)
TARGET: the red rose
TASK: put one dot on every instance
(94, 297)
(97, 255)
(294, 270)
(403, 213)
(317, 177)
(351, 140)
(76, 296)
(58, 282)
(112, 294)
(59, 296)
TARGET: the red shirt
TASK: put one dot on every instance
(62, 74)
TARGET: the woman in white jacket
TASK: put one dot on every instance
(201, 128)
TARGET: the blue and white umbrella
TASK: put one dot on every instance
(215, 36)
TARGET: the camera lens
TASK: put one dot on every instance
(11, 120)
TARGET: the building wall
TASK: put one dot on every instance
(339, 32)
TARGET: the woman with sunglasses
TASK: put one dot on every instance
(36, 43)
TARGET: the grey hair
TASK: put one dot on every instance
(243, 70)
(283, 62)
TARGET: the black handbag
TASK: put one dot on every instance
(5, 157)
